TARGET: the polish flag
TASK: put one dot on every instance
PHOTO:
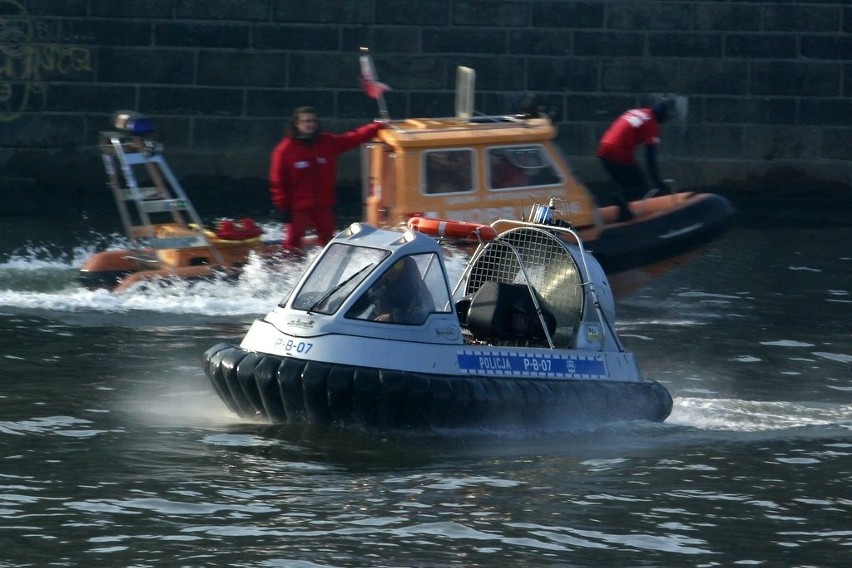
(371, 86)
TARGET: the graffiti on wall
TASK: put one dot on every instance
(31, 52)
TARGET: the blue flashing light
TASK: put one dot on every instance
(133, 123)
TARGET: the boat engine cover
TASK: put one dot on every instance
(503, 311)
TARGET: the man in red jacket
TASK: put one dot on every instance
(302, 174)
(617, 151)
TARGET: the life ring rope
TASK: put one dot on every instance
(452, 229)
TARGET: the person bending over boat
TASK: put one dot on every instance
(302, 175)
(617, 152)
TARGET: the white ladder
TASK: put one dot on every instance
(143, 208)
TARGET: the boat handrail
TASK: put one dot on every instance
(605, 323)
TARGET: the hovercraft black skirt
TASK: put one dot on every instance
(285, 390)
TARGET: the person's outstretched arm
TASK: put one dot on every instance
(354, 138)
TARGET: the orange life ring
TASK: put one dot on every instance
(452, 229)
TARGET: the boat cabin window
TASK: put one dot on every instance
(410, 289)
(511, 167)
(340, 270)
(448, 171)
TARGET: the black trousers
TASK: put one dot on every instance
(631, 183)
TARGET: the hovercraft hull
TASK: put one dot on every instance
(287, 390)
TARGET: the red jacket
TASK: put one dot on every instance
(302, 175)
(634, 127)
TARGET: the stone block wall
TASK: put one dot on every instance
(769, 83)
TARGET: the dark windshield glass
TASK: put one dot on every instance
(341, 269)
(409, 290)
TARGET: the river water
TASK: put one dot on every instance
(115, 451)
